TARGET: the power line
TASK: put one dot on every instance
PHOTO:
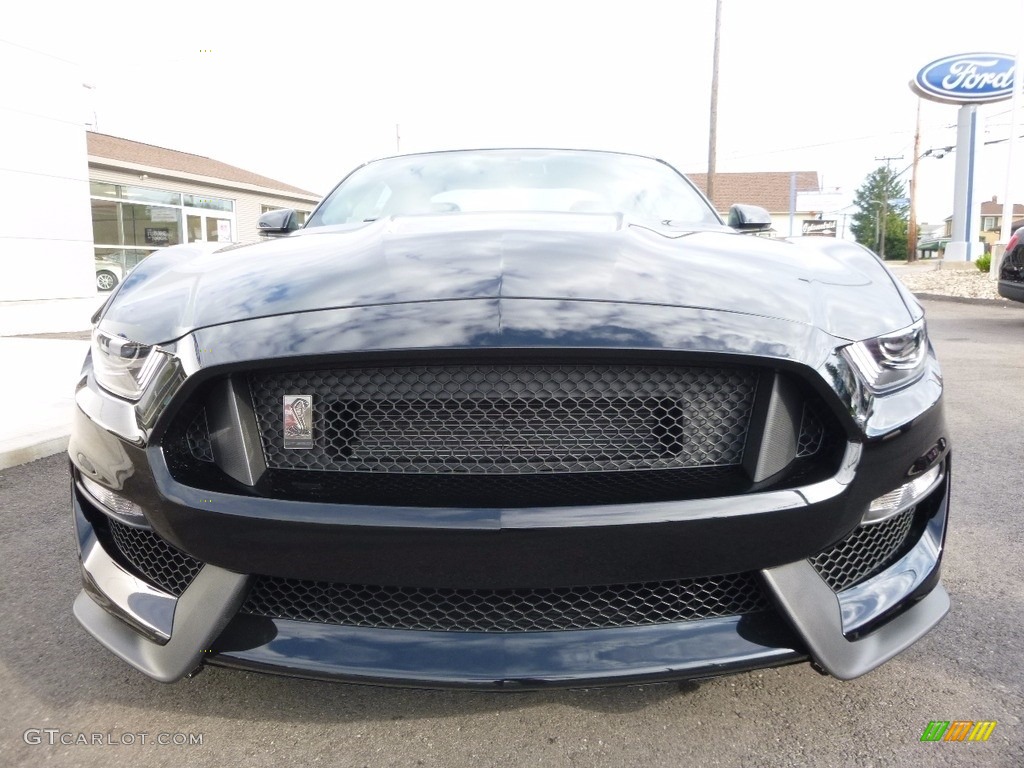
(814, 146)
(888, 161)
(36, 50)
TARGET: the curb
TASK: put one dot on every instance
(33, 447)
(966, 300)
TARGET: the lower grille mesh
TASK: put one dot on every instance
(864, 553)
(155, 560)
(509, 610)
(867, 551)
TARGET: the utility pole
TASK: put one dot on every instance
(912, 233)
(713, 131)
(792, 201)
(885, 202)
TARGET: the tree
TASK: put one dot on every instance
(880, 199)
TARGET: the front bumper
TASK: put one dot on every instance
(846, 634)
(1012, 290)
(771, 536)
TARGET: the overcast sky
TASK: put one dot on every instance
(303, 92)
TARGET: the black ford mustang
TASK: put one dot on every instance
(511, 419)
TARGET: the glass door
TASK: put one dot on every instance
(203, 227)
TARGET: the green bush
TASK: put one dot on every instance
(984, 262)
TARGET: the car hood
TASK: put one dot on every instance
(833, 285)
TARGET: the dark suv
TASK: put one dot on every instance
(1011, 275)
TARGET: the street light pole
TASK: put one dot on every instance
(878, 211)
(878, 219)
(885, 220)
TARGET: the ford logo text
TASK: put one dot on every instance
(967, 78)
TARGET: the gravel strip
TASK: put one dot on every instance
(964, 284)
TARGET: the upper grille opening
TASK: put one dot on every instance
(510, 419)
(523, 433)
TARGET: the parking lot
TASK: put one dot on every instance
(53, 676)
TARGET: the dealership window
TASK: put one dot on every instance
(117, 223)
(213, 203)
(130, 222)
(129, 192)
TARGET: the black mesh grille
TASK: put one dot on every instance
(510, 419)
(155, 560)
(198, 437)
(509, 610)
(812, 431)
(867, 551)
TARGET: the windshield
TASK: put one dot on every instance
(514, 180)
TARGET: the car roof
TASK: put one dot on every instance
(518, 149)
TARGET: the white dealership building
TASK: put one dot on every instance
(81, 207)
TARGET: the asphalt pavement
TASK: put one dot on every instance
(58, 685)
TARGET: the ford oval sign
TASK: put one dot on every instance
(967, 78)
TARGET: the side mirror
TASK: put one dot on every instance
(749, 218)
(279, 222)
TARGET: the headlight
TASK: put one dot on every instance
(893, 360)
(124, 367)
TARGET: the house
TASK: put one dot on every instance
(931, 239)
(991, 214)
(772, 191)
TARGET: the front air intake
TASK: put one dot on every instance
(510, 419)
(505, 434)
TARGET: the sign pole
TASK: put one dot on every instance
(965, 224)
(967, 79)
